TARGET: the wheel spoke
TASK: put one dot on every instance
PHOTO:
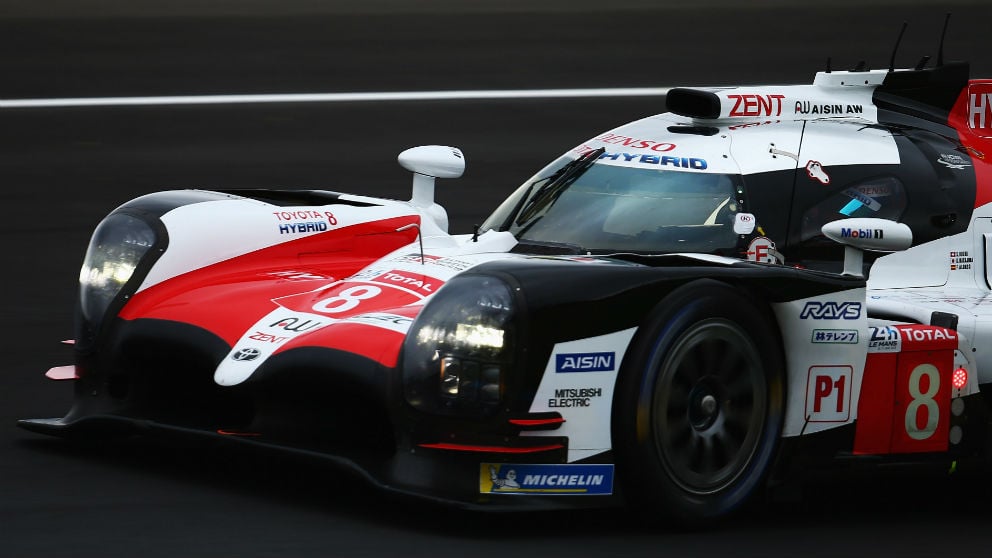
(733, 437)
(691, 367)
(678, 434)
(732, 365)
(721, 455)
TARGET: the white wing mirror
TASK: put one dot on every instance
(428, 162)
(859, 234)
(438, 161)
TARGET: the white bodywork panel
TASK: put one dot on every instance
(947, 275)
(578, 383)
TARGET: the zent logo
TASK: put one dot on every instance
(756, 105)
(815, 310)
(585, 362)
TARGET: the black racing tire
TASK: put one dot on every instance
(699, 404)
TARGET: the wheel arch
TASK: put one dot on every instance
(633, 430)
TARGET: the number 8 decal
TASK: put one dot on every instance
(923, 400)
(347, 299)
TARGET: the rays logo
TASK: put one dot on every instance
(246, 354)
(829, 310)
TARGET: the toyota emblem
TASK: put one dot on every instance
(248, 353)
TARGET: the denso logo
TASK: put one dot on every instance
(584, 362)
(635, 143)
(815, 310)
(861, 233)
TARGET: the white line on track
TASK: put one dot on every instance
(335, 97)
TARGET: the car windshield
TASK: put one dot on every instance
(611, 208)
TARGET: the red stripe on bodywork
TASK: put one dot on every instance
(901, 393)
(972, 118)
(375, 343)
(228, 297)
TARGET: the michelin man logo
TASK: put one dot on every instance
(509, 482)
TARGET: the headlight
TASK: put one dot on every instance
(117, 246)
(460, 348)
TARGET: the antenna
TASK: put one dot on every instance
(940, 49)
(892, 61)
(828, 64)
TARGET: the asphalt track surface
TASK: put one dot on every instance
(63, 169)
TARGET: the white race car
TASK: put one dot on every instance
(659, 317)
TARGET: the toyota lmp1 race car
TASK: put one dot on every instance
(665, 316)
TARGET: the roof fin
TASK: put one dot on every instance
(940, 49)
(892, 61)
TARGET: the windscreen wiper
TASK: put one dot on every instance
(554, 185)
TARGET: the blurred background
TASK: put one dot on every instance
(63, 167)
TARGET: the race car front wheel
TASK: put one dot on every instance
(699, 404)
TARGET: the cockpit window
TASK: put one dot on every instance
(611, 208)
(883, 197)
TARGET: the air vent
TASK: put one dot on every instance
(693, 103)
(695, 130)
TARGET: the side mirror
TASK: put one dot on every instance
(428, 162)
(857, 235)
(438, 161)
